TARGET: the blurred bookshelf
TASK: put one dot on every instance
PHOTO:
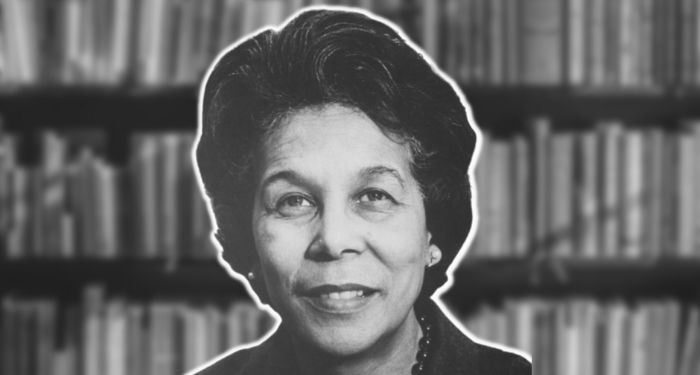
(588, 248)
(138, 279)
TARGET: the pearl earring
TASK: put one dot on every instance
(251, 276)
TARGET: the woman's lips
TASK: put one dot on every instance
(339, 299)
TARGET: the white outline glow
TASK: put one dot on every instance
(436, 297)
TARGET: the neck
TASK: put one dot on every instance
(393, 354)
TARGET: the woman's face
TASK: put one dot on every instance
(340, 230)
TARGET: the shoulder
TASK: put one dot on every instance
(494, 361)
(456, 353)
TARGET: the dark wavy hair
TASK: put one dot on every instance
(324, 57)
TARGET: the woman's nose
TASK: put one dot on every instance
(338, 235)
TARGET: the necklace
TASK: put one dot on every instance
(423, 346)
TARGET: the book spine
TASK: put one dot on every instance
(685, 211)
(576, 41)
(520, 193)
(481, 176)
(93, 331)
(500, 232)
(610, 133)
(596, 42)
(496, 43)
(540, 128)
(687, 44)
(430, 29)
(646, 43)
(631, 194)
(654, 185)
(560, 226)
(512, 59)
(612, 25)
(542, 42)
(694, 128)
(628, 57)
(587, 203)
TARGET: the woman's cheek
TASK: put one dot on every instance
(280, 245)
(403, 240)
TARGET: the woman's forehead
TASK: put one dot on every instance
(333, 139)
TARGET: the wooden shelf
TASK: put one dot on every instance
(502, 109)
(476, 281)
(114, 109)
(607, 279)
(203, 279)
(505, 110)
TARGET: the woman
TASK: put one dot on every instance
(336, 162)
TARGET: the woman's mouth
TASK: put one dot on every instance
(339, 299)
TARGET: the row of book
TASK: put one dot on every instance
(582, 336)
(608, 191)
(110, 335)
(599, 43)
(149, 42)
(74, 203)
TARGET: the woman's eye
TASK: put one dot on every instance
(294, 205)
(374, 196)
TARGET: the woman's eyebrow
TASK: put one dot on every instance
(284, 175)
(381, 171)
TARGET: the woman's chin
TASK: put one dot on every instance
(340, 329)
(342, 343)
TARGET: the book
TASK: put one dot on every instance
(688, 363)
(511, 43)
(541, 35)
(654, 185)
(93, 335)
(560, 215)
(194, 337)
(137, 333)
(217, 324)
(115, 337)
(631, 193)
(694, 128)
(586, 202)
(169, 179)
(519, 198)
(161, 343)
(596, 55)
(481, 178)
(637, 341)
(576, 52)
(610, 135)
(9, 320)
(685, 195)
(143, 167)
(499, 204)
(540, 130)
(496, 28)
(615, 315)
(430, 27)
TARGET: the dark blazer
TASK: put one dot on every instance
(451, 352)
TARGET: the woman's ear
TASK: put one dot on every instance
(434, 253)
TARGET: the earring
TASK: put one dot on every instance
(251, 276)
(435, 256)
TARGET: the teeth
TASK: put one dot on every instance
(344, 295)
(348, 294)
